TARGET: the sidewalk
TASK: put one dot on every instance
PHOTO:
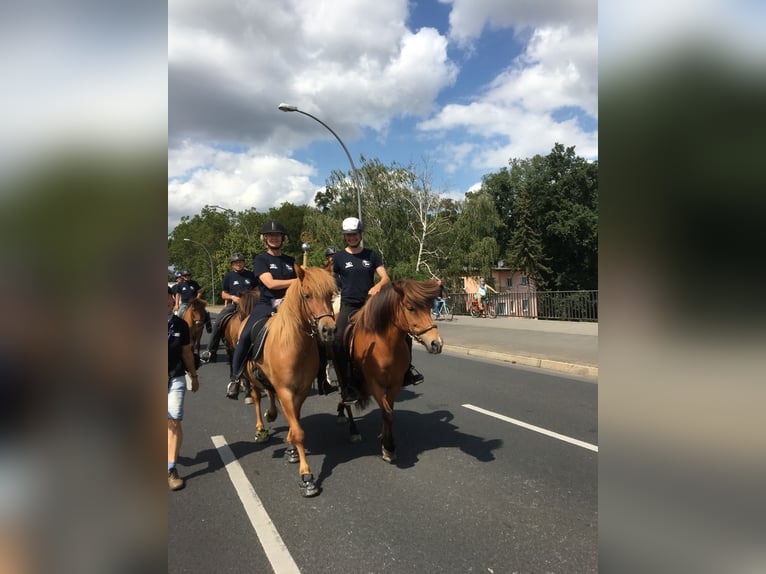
(563, 346)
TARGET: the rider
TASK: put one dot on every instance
(187, 290)
(355, 268)
(276, 272)
(235, 282)
(481, 294)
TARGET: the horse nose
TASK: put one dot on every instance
(327, 332)
(436, 346)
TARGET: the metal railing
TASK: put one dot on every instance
(549, 305)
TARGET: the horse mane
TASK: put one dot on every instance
(288, 323)
(377, 312)
(247, 300)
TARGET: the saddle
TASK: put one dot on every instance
(258, 337)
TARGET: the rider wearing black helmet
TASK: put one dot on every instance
(187, 290)
(276, 272)
(235, 282)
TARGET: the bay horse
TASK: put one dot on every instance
(195, 318)
(290, 357)
(380, 352)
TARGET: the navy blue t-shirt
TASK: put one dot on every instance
(236, 282)
(356, 273)
(280, 267)
(188, 290)
(178, 337)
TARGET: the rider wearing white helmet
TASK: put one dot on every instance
(355, 268)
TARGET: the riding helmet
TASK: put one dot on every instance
(236, 257)
(186, 272)
(351, 225)
(329, 251)
(273, 227)
(177, 275)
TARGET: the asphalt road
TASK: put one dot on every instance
(470, 492)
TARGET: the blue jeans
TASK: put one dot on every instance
(176, 394)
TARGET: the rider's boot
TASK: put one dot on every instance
(412, 377)
(349, 386)
(208, 324)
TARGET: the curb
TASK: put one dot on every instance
(526, 361)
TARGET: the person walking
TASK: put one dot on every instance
(180, 361)
(276, 272)
(355, 268)
(235, 282)
(439, 299)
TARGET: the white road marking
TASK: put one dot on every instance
(528, 426)
(276, 551)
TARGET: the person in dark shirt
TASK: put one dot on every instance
(187, 290)
(235, 282)
(276, 272)
(355, 268)
(180, 361)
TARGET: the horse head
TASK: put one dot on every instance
(416, 301)
(317, 289)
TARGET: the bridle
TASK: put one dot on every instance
(410, 332)
(314, 319)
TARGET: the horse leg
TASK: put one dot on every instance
(271, 414)
(344, 414)
(261, 434)
(388, 447)
(295, 441)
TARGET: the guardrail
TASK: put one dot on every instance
(550, 305)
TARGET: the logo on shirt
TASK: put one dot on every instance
(273, 266)
(349, 265)
(366, 263)
(235, 283)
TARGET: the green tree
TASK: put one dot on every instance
(525, 249)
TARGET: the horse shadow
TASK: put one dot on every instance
(415, 434)
(211, 459)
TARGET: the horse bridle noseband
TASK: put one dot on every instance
(417, 335)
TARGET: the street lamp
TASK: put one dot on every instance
(306, 247)
(235, 216)
(212, 273)
(290, 108)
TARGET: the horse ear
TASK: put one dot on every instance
(396, 285)
(299, 271)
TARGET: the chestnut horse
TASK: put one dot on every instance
(290, 357)
(195, 318)
(380, 352)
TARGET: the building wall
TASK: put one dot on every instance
(516, 293)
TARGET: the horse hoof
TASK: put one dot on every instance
(292, 456)
(269, 417)
(248, 400)
(308, 487)
(262, 436)
(389, 456)
(355, 438)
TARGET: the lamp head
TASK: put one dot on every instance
(288, 107)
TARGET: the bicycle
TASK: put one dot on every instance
(443, 311)
(490, 309)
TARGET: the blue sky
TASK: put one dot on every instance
(464, 85)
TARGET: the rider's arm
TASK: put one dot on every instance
(384, 278)
(268, 280)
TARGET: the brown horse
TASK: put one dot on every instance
(195, 318)
(380, 352)
(290, 357)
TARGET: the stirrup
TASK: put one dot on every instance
(232, 390)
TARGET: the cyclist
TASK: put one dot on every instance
(440, 298)
(481, 295)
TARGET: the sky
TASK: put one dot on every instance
(460, 85)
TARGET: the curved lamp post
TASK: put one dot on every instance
(212, 273)
(290, 108)
(235, 216)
